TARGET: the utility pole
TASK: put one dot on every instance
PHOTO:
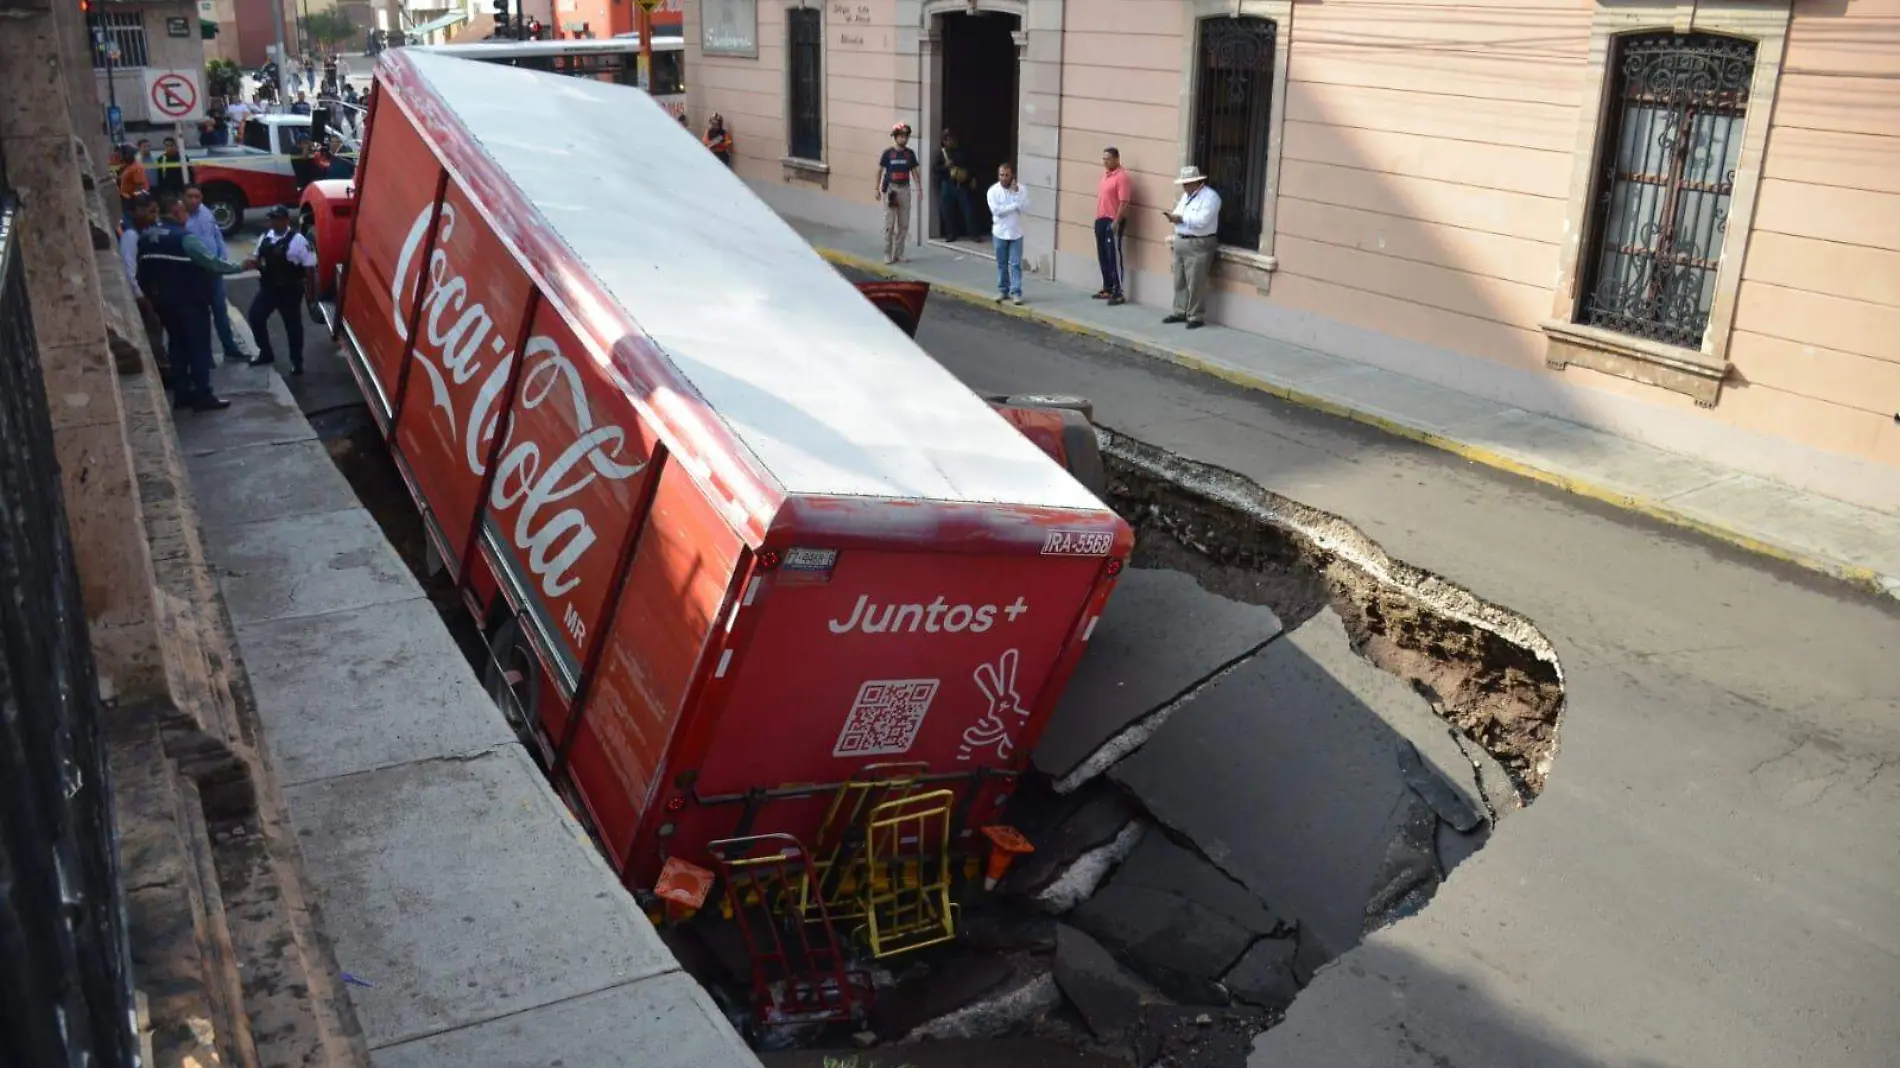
(277, 10)
(646, 43)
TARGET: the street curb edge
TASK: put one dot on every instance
(1649, 507)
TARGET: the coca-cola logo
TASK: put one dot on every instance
(459, 342)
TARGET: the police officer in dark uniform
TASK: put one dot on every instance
(175, 270)
(283, 257)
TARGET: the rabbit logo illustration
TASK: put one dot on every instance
(998, 683)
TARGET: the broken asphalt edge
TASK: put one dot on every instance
(1864, 578)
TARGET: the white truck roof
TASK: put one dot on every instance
(828, 395)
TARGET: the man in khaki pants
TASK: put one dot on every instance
(895, 169)
(1196, 219)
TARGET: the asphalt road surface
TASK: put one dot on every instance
(1709, 879)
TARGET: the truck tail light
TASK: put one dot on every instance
(1113, 567)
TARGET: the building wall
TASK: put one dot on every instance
(1426, 188)
(610, 18)
(162, 51)
(1817, 332)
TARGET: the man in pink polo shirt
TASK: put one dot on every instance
(1111, 224)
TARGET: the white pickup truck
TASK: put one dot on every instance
(261, 170)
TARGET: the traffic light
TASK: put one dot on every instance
(501, 18)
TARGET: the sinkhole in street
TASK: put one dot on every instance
(1280, 740)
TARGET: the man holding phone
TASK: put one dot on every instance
(1007, 199)
(1196, 219)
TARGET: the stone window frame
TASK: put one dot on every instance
(798, 166)
(1698, 374)
(1254, 265)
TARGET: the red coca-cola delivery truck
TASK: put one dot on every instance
(738, 544)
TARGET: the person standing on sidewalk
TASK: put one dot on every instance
(170, 168)
(953, 190)
(894, 170)
(132, 178)
(283, 260)
(718, 139)
(1007, 199)
(142, 214)
(1111, 225)
(201, 224)
(175, 272)
(1196, 219)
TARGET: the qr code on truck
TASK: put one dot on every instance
(886, 717)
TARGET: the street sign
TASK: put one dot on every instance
(651, 5)
(115, 123)
(174, 95)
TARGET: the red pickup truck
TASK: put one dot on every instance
(741, 549)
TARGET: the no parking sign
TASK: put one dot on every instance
(174, 95)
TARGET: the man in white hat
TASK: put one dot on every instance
(1196, 219)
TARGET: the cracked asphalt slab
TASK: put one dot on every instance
(1710, 878)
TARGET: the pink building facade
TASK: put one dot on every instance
(1676, 221)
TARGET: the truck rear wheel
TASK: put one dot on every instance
(513, 679)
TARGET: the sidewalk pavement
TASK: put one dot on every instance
(475, 922)
(1855, 543)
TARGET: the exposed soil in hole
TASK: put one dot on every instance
(1485, 670)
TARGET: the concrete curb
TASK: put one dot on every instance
(1856, 575)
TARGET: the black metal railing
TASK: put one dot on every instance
(65, 991)
(805, 27)
(1666, 170)
(1232, 104)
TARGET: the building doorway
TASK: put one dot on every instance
(977, 98)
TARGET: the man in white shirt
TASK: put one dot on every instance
(1007, 199)
(284, 260)
(1196, 219)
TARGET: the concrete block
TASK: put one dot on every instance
(36, 108)
(1107, 995)
(307, 564)
(269, 418)
(1177, 944)
(463, 890)
(1160, 635)
(1044, 15)
(56, 246)
(663, 1022)
(1286, 770)
(1042, 78)
(82, 386)
(1264, 976)
(269, 482)
(1161, 864)
(102, 512)
(345, 692)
